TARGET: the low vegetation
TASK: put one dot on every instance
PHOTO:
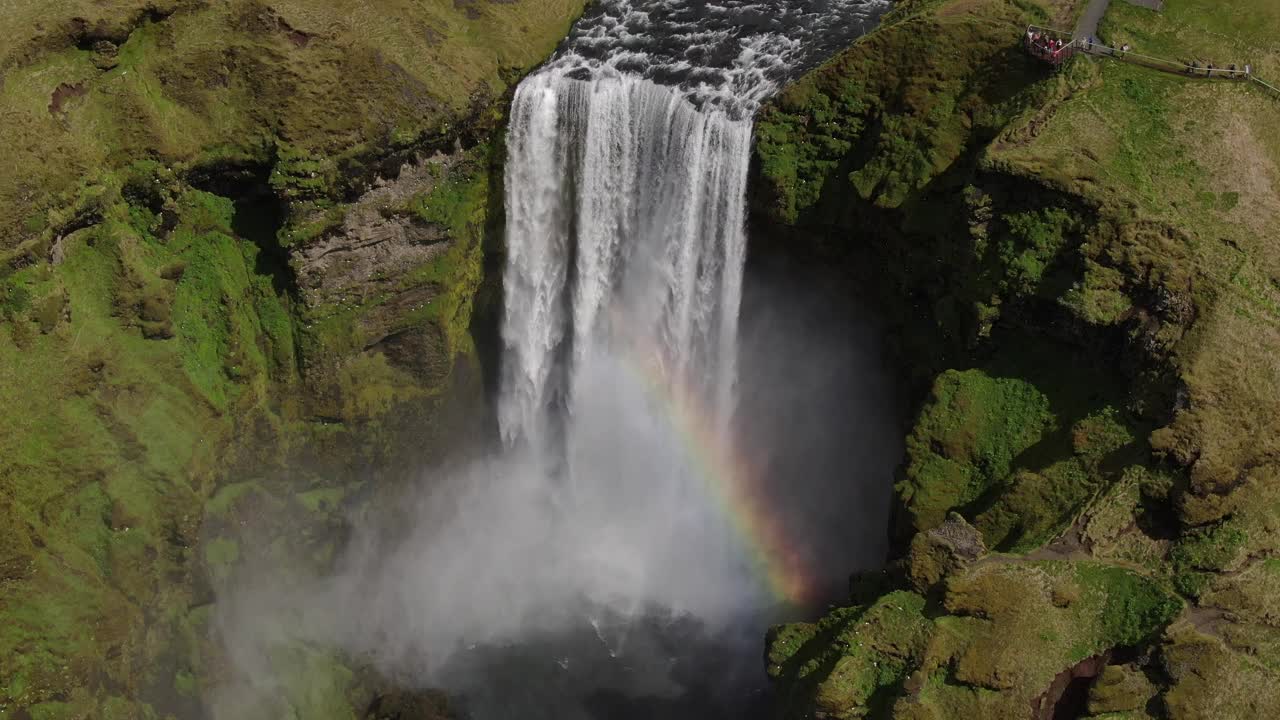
(169, 164)
(1083, 261)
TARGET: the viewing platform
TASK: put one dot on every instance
(1057, 46)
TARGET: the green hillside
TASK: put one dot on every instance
(1092, 485)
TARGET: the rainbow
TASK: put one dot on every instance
(732, 484)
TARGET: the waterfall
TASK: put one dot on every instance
(627, 166)
(625, 216)
(626, 180)
(632, 536)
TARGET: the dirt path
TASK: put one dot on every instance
(1087, 27)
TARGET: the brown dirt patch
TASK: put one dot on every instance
(64, 94)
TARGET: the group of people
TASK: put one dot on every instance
(1055, 49)
(1052, 49)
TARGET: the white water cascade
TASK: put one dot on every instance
(620, 554)
(626, 237)
(626, 181)
(627, 167)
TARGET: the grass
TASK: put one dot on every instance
(854, 660)
(1129, 214)
(1201, 30)
(1206, 551)
(1012, 627)
(900, 146)
(118, 432)
(1210, 680)
(1019, 446)
(1191, 170)
(410, 72)
(101, 463)
(157, 353)
(966, 439)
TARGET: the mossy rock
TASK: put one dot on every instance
(1211, 680)
(1121, 689)
(942, 551)
(966, 439)
(853, 662)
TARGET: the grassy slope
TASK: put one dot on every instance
(235, 79)
(1162, 271)
(145, 352)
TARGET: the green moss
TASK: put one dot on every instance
(322, 500)
(329, 220)
(848, 107)
(784, 644)
(1125, 242)
(458, 202)
(223, 503)
(1034, 239)
(966, 439)
(184, 683)
(300, 176)
(1100, 298)
(1135, 607)
(1100, 434)
(853, 661)
(1013, 627)
(1205, 551)
(156, 350)
(14, 299)
(1208, 679)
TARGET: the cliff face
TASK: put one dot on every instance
(1078, 276)
(241, 248)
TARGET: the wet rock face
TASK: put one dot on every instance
(366, 255)
(393, 273)
(403, 705)
(377, 241)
